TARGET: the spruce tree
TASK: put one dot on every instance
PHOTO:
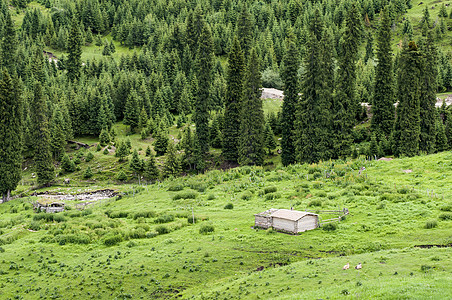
(67, 164)
(10, 136)
(369, 47)
(407, 127)
(251, 140)
(289, 106)
(428, 73)
(314, 120)
(104, 137)
(346, 105)
(45, 170)
(135, 163)
(244, 30)
(151, 172)
(161, 141)
(8, 44)
(74, 47)
(187, 144)
(57, 134)
(172, 163)
(131, 114)
(234, 95)
(122, 151)
(448, 128)
(383, 101)
(441, 138)
(270, 142)
(204, 65)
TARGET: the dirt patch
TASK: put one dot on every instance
(385, 159)
(407, 171)
(431, 246)
(268, 93)
(87, 196)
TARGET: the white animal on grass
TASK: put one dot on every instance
(359, 266)
(346, 267)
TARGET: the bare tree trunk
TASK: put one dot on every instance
(8, 195)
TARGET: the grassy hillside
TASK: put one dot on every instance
(142, 245)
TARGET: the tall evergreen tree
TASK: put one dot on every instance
(244, 30)
(234, 97)
(407, 127)
(383, 101)
(251, 141)
(441, 137)
(291, 98)
(314, 118)
(10, 136)
(270, 142)
(172, 163)
(346, 105)
(57, 134)
(151, 172)
(131, 114)
(74, 47)
(428, 73)
(8, 44)
(204, 64)
(45, 170)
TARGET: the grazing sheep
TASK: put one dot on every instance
(346, 267)
(359, 266)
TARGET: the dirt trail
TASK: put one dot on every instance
(87, 196)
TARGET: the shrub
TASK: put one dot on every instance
(190, 219)
(445, 216)
(247, 195)
(175, 187)
(80, 238)
(270, 189)
(162, 229)
(112, 240)
(2, 250)
(89, 157)
(144, 214)
(330, 227)
(185, 195)
(88, 173)
(105, 152)
(164, 219)
(121, 176)
(272, 196)
(315, 202)
(138, 233)
(446, 207)
(34, 225)
(431, 224)
(206, 228)
(229, 206)
(117, 214)
(49, 217)
(211, 197)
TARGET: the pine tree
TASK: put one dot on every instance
(374, 150)
(131, 114)
(45, 170)
(104, 137)
(244, 30)
(428, 73)
(143, 118)
(369, 47)
(407, 127)
(441, 138)
(57, 134)
(135, 163)
(67, 164)
(346, 105)
(270, 142)
(74, 47)
(122, 151)
(234, 97)
(172, 163)
(161, 141)
(8, 44)
(291, 98)
(204, 64)
(151, 172)
(187, 145)
(314, 118)
(10, 136)
(88, 173)
(251, 140)
(383, 101)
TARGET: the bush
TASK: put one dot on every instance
(89, 157)
(162, 229)
(211, 197)
(270, 189)
(431, 224)
(138, 233)
(117, 214)
(315, 202)
(121, 176)
(190, 219)
(88, 173)
(144, 214)
(271, 79)
(229, 206)
(49, 217)
(272, 196)
(446, 207)
(185, 195)
(330, 227)
(34, 225)
(112, 240)
(105, 152)
(445, 216)
(175, 187)
(205, 229)
(80, 238)
(247, 196)
(164, 219)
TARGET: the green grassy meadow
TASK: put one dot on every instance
(142, 244)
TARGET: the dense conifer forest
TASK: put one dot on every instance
(204, 63)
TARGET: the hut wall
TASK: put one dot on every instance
(307, 223)
(263, 222)
(284, 224)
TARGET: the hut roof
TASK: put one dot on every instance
(292, 215)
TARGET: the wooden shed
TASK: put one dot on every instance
(287, 220)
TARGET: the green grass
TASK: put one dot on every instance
(131, 251)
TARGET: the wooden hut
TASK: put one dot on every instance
(287, 220)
